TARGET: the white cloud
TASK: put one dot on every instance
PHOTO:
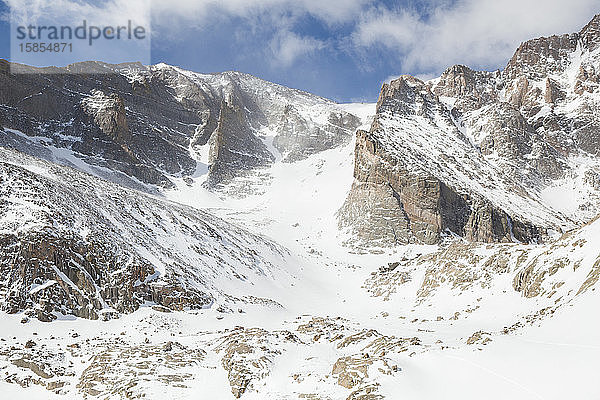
(111, 12)
(270, 23)
(97, 17)
(381, 26)
(287, 47)
(329, 11)
(471, 32)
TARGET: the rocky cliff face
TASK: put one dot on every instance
(103, 119)
(298, 138)
(150, 123)
(48, 273)
(233, 146)
(73, 244)
(548, 276)
(472, 153)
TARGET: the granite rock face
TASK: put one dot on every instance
(48, 272)
(108, 121)
(151, 122)
(73, 244)
(471, 89)
(233, 147)
(299, 138)
(469, 153)
(416, 207)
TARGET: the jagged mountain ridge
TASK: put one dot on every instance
(474, 153)
(152, 123)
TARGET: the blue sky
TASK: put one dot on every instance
(340, 49)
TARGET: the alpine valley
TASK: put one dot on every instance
(170, 234)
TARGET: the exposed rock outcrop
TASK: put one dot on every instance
(48, 273)
(249, 354)
(233, 146)
(472, 89)
(299, 138)
(536, 58)
(76, 245)
(108, 111)
(393, 201)
(467, 154)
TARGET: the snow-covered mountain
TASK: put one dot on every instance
(218, 236)
(159, 122)
(504, 156)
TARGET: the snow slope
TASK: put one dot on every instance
(187, 250)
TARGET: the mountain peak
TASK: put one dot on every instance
(590, 34)
(536, 58)
(460, 80)
(400, 92)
